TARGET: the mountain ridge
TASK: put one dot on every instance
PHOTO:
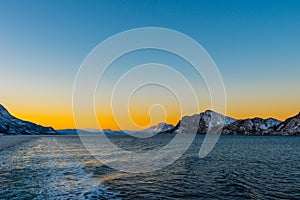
(202, 123)
(10, 125)
(231, 126)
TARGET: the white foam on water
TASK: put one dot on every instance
(49, 170)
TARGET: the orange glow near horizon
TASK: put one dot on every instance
(62, 118)
(47, 110)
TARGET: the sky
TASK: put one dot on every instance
(255, 45)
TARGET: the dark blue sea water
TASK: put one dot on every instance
(239, 167)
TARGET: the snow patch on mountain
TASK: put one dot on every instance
(10, 125)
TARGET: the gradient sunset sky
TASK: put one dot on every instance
(255, 44)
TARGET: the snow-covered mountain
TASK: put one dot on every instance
(254, 126)
(160, 127)
(290, 126)
(203, 121)
(10, 125)
(211, 122)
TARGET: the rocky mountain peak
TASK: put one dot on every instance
(202, 122)
(251, 126)
(10, 125)
(290, 126)
(4, 112)
(2, 108)
(160, 127)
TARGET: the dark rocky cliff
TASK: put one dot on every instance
(10, 125)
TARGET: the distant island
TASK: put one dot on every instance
(208, 120)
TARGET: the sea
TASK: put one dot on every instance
(238, 167)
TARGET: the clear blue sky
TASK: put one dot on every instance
(255, 44)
